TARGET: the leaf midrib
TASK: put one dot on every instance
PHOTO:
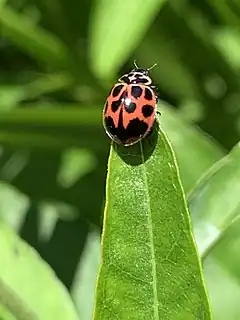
(150, 229)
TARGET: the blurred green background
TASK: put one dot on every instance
(58, 61)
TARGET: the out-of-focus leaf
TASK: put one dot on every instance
(224, 291)
(227, 41)
(195, 151)
(48, 160)
(215, 201)
(13, 206)
(221, 270)
(227, 11)
(5, 314)
(84, 284)
(215, 210)
(173, 76)
(225, 249)
(48, 219)
(39, 43)
(10, 96)
(57, 117)
(47, 84)
(28, 287)
(75, 164)
(34, 128)
(200, 68)
(113, 34)
(54, 209)
(47, 141)
(149, 261)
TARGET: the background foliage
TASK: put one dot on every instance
(58, 61)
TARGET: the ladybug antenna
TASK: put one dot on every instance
(135, 64)
(154, 65)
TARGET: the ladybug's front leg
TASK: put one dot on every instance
(158, 112)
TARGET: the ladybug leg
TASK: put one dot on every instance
(158, 112)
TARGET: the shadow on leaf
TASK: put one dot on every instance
(132, 155)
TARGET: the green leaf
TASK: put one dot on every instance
(5, 314)
(215, 209)
(172, 76)
(222, 287)
(195, 151)
(215, 202)
(47, 83)
(33, 128)
(75, 164)
(113, 35)
(28, 287)
(84, 284)
(227, 12)
(149, 268)
(13, 204)
(39, 43)
(225, 249)
(10, 95)
(227, 41)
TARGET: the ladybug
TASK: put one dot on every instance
(131, 107)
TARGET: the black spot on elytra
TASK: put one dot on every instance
(116, 104)
(148, 94)
(147, 110)
(117, 90)
(135, 129)
(130, 108)
(130, 155)
(136, 91)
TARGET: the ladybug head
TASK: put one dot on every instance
(140, 70)
(137, 76)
